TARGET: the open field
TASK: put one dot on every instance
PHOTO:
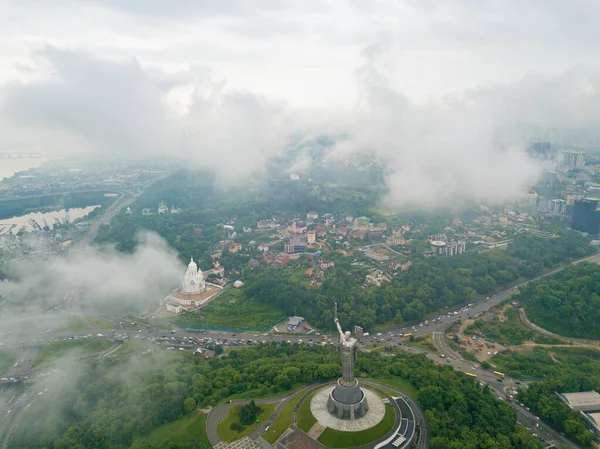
(186, 430)
(337, 439)
(54, 350)
(223, 428)
(7, 358)
(399, 383)
(99, 322)
(73, 324)
(231, 310)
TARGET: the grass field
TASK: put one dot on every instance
(424, 342)
(510, 332)
(283, 421)
(99, 322)
(54, 350)
(73, 324)
(223, 428)
(397, 382)
(7, 358)
(242, 313)
(338, 439)
(305, 417)
(187, 430)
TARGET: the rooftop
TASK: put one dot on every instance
(594, 418)
(585, 400)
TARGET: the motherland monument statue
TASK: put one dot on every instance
(348, 350)
(347, 400)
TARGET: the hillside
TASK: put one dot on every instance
(567, 303)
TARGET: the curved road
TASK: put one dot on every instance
(432, 327)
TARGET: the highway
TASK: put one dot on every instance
(23, 371)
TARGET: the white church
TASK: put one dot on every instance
(192, 292)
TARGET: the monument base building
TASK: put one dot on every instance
(347, 401)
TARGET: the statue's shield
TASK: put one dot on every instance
(358, 331)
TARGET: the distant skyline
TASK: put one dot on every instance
(439, 90)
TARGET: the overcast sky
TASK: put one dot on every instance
(307, 52)
(239, 77)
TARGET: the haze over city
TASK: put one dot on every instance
(272, 224)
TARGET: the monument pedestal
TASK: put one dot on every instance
(347, 401)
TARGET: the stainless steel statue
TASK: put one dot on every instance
(348, 350)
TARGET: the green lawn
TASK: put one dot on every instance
(74, 324)
(283, 421)
(338, 439)
(232, 310)
(99, 322)
(305, 417)
(183, 431)
(7, 358)
(223, 428)
(54, 350)
(397, 382)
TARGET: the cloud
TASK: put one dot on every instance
(120, 108)
(100, 279)
(442, 153)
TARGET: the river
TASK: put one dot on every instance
(49, 219)
(9, 167)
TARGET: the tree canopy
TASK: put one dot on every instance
(567, 303)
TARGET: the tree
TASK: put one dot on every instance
(189, 405)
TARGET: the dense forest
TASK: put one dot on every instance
(431, 284)
(118, 404)
(567, 303)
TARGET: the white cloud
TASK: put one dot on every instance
(224, 84)
(106, 280)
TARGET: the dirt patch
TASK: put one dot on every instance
(477, 345)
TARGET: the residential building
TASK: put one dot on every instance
(263, 247)
(570, 198)
(295, 244)
(558, 206)
(448, 249)
(311, 237)
(267, 225)
(312, 215)
(571, 159)
(395, 240)
(209, 354)
(235, 247)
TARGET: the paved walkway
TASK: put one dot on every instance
(244, 443)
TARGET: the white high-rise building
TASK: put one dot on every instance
(571, 159)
